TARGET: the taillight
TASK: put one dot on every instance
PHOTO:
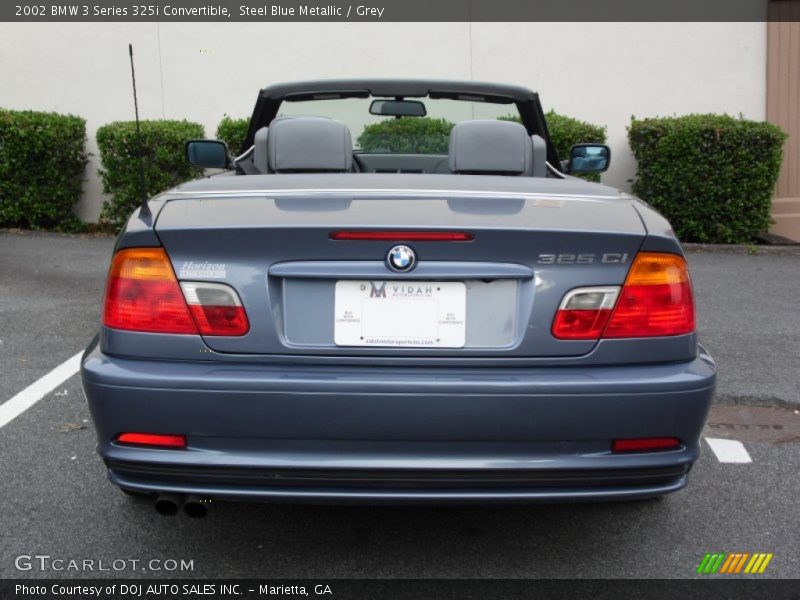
(656, 299)
(584, 313)
(216, 308)
(142, 294)
(153, 439)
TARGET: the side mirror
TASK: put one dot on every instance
(589, 158)
(208, 154)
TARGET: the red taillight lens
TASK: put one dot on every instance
(402, 236)
(220, 320)
(584, 313)
(153, 439)
(142, 294)
(216, 308)
(580, 324)
(645, 444)
(656, 299)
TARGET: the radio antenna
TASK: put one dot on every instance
(144, 211)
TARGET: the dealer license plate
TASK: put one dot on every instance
(416, 314)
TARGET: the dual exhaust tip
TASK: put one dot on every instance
(193, 506)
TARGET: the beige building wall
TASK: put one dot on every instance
(600, 72)
(783, 109)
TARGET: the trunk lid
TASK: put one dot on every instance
(527, 251)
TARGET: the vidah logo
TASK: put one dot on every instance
(377, 291)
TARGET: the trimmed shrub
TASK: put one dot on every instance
(712, 176)
(411, 135)
(232, 132)
(565, 132)
(42, 160)
(164, 163)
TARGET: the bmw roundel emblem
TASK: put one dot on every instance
(401, 258)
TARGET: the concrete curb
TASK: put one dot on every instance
(751, 249)
(42, 233)
(730, 399)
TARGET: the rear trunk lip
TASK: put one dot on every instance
(389, 193)
(428, 270)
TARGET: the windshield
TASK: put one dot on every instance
(399, 135)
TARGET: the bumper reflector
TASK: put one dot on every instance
(645, 444)
(153, 439)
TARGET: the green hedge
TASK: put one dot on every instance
(232, 132)
(165, 164)
(42, 161)
(565, 132)
(712, 176)
(411, 135)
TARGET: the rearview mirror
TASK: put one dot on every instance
(589, 158)
(208, 154)
(397, 108)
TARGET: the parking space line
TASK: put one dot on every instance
(17, 405)
(729, 451)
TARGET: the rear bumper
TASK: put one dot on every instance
(398, 434)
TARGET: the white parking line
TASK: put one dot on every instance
(729, 451)
(17, 405)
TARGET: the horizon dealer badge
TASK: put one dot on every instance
(401, 259)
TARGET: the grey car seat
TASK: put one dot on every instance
(309, 144)
(496, 148)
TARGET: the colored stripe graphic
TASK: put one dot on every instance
(718, 562)
(726, 567)
(711, 563)
(764, 564)
(754, 563)
(701, 567)
(733, 560)
(740, 564)
(734, 563)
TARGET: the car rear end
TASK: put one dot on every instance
(259, 342)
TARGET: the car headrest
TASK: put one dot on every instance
(260, 150)
(491, 147)
(309, 144)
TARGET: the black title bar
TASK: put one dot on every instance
(387, 589)
(397, 10)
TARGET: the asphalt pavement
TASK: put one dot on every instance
(55, 500)
(749, 318)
